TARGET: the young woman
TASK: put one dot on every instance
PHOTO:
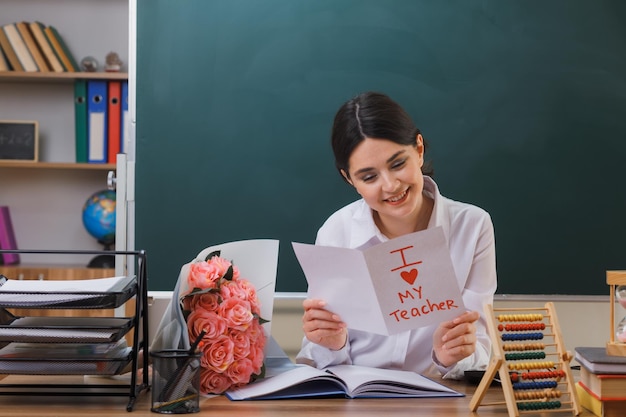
(379, 151)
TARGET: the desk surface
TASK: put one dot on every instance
(28, 406)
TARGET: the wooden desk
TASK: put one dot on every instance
(29, 406)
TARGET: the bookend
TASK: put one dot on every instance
(529, 357)
(138, 324)
(613, 279)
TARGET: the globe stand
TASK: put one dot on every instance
(103, 261)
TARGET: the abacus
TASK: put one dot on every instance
(529, 358)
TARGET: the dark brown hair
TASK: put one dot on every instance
(371, 115)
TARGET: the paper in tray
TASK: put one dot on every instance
(64, 329)
(59, 294)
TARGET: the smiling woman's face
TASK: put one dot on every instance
(389, 177)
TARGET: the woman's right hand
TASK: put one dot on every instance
(323, 327)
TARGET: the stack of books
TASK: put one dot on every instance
(34, 47)
(602, 385)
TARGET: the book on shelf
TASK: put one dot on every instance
(97, 137)
(31, 44)
(37, 29)
(9, 52)
(7, 237)
(80, 120)
(60, 48)
(125, 123)
(351, 381)
(114, 119)
(598, 407)
(20, 48)
(597, 361)
(4, 64)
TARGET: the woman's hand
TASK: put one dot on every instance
(455, 340)
(323, 327)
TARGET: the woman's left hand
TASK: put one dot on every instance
(455, 340)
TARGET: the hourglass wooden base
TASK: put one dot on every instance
(614, 279)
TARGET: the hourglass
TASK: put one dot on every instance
(617, 284)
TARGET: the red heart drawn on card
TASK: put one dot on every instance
(409, 276)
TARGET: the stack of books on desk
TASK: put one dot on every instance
(602, 385)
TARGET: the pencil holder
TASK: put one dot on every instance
(175, 382)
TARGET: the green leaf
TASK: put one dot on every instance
(228, 276)
(260, 375)
(212, 254)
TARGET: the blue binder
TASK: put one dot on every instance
(125, 125)
(97, 121)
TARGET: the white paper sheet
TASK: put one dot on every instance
(402, 284)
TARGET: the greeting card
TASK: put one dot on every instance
(402, 284)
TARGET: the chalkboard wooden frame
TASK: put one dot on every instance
(19, 140)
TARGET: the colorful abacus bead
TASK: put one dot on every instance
(521, 336)
(531, 365)
(524, 355)
(558, 374)
(539, 405)
(535, 385)
(523, 346)
(520, 317)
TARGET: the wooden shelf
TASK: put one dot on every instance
(56, 165)
(59, 77)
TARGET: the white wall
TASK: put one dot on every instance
(584, 321)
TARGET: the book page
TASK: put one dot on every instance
(366, 381)
(293, 383)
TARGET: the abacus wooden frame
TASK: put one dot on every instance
(498, 363)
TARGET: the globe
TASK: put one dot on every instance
(99, 220)
(99, 216)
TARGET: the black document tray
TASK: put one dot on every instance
(63, 329)
(71, 300)
(64, 366)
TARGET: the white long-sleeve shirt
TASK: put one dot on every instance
(470, 237)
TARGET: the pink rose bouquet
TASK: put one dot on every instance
(224, 306)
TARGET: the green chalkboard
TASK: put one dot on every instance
(523, 103)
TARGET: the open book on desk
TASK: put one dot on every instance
(351, 381)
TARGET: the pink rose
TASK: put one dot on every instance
(203, 275)
(243, 290)
(240, 371)
(237, 313)
(205, 301)
(241, 341)
(212, 382)
(218, 353)
(255, 332)
(213, 324)
(257, 354)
